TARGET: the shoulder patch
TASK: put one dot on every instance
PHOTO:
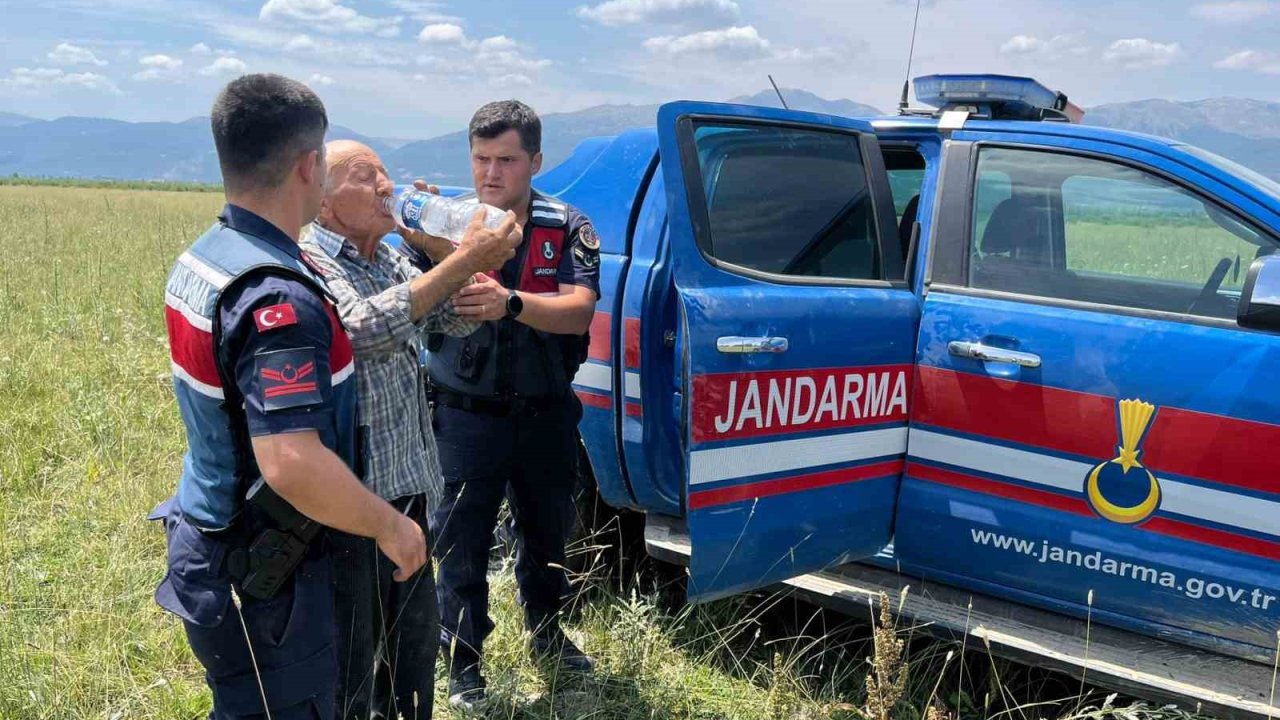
(274, 317)
(287, 378)
(587, 258)
(588, 237)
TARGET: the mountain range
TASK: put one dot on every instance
(1244, 130)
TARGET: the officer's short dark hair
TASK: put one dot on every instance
(498, 117)
(261, 124)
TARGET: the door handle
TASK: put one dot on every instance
(735, 344)
(988, 353)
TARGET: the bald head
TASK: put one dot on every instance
(357, 185)
(340, 153)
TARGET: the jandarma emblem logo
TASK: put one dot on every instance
(1121, 489)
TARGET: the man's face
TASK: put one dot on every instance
(354, 199)
(502, 170)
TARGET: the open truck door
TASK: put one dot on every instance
(797, 337)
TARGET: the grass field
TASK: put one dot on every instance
(90, 441)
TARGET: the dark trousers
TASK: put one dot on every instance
(387, 630)
(281, 648)
(534, 454)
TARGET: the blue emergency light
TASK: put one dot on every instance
(999, 97)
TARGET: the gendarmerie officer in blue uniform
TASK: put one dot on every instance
(262, 371)
(505, 413)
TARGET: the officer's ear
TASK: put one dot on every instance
(311, 168)
(536, 165)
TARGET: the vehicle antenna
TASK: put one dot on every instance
(906, 84)
(780, 98)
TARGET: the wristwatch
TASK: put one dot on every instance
(515, 305)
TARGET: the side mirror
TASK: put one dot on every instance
(1260, 297)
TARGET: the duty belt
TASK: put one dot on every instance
(498, 407)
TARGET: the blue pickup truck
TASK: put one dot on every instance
(1026, 366)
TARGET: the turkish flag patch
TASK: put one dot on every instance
(275, 316)
(288, 379)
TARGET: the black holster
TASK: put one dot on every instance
(278, 538)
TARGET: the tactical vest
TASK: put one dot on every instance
(505, 358)
(218, 466)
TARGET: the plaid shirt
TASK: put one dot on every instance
(373, 299)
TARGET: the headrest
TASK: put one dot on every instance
(1016, 229)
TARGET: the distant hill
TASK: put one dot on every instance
(101, 148)
(8, 119)
(444, 159)
(805, 100)
(1244, 130)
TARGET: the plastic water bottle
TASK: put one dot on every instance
(439, 216)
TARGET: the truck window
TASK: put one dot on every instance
(788, 201)
(905, 166)
(1091, 230)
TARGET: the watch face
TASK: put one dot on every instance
(514, 304)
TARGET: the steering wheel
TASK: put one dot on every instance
(1209, 293)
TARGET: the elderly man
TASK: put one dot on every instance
(387, 631)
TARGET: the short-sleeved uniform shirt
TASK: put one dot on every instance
(282, 345)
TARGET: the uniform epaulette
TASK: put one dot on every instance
(549, 211)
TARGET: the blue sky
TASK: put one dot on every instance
(418, 68)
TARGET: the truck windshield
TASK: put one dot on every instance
(1262, 182)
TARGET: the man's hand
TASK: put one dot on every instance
(436, 248)
(485, 299)
(486, 249)
(404, 544)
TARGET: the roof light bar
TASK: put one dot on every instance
(1003, 97)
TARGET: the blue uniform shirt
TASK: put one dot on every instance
(280, 344)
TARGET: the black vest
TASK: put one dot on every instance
(507, 359)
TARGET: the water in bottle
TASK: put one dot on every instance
(436, 215)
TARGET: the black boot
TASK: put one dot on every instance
(466, 684)
(550, 642)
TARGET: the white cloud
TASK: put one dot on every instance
(738, 42)
(1142, 54)
(1068, 44)
(318, 79)
(224, 66)
(1267, 63)
(497, 43)
(158, 67)
(200, 49)
(350, 53)
(506, 62)
(498, 57)
(68, 54)
(300, 43)
(511, 80)
(35, 79)
(329, 16)
(630, 12)
(443, 34)
(1235, 12)
(1022, 45)
(161, 62)
(427, 11)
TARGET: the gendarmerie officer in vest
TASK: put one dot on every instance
(505, 412)
(262, 371)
